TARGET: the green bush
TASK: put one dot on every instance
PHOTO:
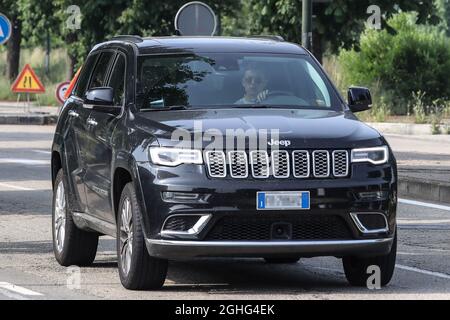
(413, 58)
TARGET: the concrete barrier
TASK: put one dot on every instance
(31, 119)
(424, 190)
(401, 128)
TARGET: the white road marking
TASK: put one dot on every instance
(420, 254)
(424, 204)
(24, 161)
(420, 221)
(427, 272)
(10, 186)
(42, 151)
(11, 295)
(17, 289)
(400, 266)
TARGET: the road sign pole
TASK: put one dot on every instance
(47, 54)
(28, 103)
(307, 24)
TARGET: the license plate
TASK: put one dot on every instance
(287, 200)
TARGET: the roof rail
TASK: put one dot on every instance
(129, 38)
(269, 37)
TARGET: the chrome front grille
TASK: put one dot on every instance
(215, 161)
(259, 162)
(278, 164)
(321, 163)
(300, 163)
(340, 163)
(238, 164)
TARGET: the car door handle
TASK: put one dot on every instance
(73, 114)
(91, 122)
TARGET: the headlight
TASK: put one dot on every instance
(377, 155)
(175, 156)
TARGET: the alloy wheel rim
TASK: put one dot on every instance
(60, 217)
(126, 236)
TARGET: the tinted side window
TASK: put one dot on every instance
(117, 80)
(84, 76)
(101, 68)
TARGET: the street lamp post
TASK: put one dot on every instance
(307, 24)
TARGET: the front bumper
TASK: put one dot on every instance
(233, 197)
(176, 249)
(229, 198)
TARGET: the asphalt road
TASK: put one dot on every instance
(28, 269)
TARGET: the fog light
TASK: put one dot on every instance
(373, 195)
(184, 197)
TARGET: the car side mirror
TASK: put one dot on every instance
(100, 96)
(102, 99)
(359, 99)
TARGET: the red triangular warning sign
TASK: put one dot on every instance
(27, 81)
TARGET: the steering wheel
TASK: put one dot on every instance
(280, 93)
(277, 93)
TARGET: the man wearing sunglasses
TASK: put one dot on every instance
(254, 83)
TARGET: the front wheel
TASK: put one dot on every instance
(137, 269)
(356, 268)
(72, 246)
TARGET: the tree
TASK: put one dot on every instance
(97, 20)
(337, 24)
(39, 18)
(11, 9)
(140, 18)
(444, 12)
(418, 60)
(103, 19)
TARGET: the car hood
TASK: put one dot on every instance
(302, 128)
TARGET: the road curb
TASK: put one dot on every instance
(31, 119)
(414, 188)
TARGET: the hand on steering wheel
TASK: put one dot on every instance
(262, 96)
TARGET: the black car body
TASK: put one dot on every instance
(104, 136)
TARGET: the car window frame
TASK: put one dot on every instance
(108, 70)
(119, 53)
(95, 55)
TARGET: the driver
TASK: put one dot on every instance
(254, 83)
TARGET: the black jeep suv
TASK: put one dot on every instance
(183, 147)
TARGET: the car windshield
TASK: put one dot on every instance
(236, 80)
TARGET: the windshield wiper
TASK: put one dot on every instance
(178, 107)
(253, 106)
(271, 106)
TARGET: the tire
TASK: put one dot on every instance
(282, 260)
(355, 268)
(71, 246)
(137, 269)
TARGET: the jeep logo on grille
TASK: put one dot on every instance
(285, 143)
